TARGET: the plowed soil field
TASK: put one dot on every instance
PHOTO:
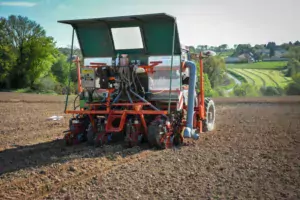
(254, 153)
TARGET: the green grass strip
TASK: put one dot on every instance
(254, 74)
(245, 75)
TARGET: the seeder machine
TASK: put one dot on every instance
(136, 81)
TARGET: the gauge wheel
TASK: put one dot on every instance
(210, 110)
(154, 137)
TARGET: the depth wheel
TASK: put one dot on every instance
(178, 140)
(210, 110)
(154, 137)
(90, 135)
(100, 139)
(67, 141)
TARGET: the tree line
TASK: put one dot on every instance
(30, 59)
(237, 49)
(292, 68)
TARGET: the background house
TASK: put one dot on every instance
(232, 60)
(280, 53)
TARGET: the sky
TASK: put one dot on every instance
(200, 22)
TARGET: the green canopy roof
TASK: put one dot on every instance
(96, 39)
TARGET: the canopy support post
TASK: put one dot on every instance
(69, 81)
(173, 46)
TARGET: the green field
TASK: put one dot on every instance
(250, 79)
(259, 81)
(261, 75)
(264, 76)
(276, 76)
(259, 65)
(237, 75)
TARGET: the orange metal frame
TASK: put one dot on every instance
(201, 110)
(137, 107)
(150, 68)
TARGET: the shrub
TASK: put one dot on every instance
(296, 78)
(293, 89)
(47, 84)
(219, 92)
(58, 89)
(245, 89)
(208, 91)
(271, 91)
(239, 91)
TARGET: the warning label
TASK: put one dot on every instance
(87, 71)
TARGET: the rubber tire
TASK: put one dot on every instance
(209, 126)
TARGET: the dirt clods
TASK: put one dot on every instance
(253, 153)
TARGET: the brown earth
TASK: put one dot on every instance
(254, 153)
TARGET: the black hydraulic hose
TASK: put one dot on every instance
(75, 107)
(129, 97)
(132, 75)
(123, 76)
(117, 98)
(145, 101)
(75, 102)
(137, 77)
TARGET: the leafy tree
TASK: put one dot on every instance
(286, 46)
(200, 48)
(192, 49)
(296, 78)
(41, 55)
(272, 52)
(293, 70)
(67, 51)
(60, 69)
(271, 45)
(245, 89)
(214, 67)
(7, 56)
(294, 87)
(212, 48)
(33, 50)
(259, 46)
(223, 47)
(208, 91)
(294, 60)
(242, 48)
(294, 52)
(297, 43)
(207, 86)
